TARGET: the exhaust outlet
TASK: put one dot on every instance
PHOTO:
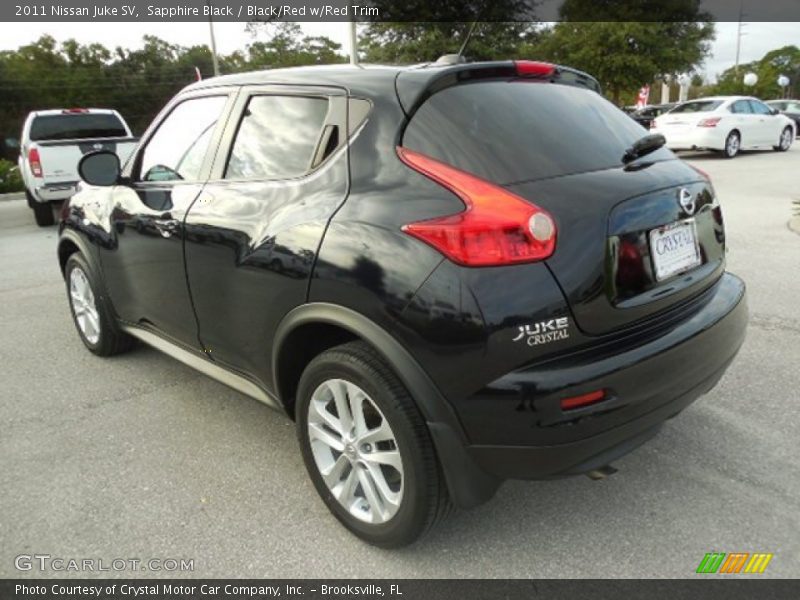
(601, 473)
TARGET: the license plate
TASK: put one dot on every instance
(674, 249)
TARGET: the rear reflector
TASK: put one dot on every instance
(497, 227)
(699, 170)
(532, 68)
(711, 122)
(34, 162)
(584, 400)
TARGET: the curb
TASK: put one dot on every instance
(12, 196)
(794, 224)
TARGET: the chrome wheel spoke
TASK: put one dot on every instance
(334, 474)
(388, 496)
(345, 490)
(339, 390)
(317, 432)
(373, 497)
(381, 433)
(390, 458)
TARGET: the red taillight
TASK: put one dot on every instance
(710, 122)
(583, 400)
(497, 227)
(34, 162)
(533, 68)
(74, 111)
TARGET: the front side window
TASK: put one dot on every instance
(277, 137)
(177, 149)
(760, 108)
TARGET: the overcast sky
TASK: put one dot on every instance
(759, 38)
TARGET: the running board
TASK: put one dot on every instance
(205, 366)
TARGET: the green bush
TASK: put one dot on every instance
(10, 178)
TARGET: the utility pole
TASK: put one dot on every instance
(353, 41)
(739, 34)
(214, 60)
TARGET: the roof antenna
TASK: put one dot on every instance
(466, 40)
(455, 59)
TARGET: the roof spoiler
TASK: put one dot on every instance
(414, 86)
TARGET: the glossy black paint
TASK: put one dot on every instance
(257, 276)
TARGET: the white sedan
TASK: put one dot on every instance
(725, 123)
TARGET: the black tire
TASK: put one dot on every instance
(425, 500)
(42, 211)
(786, 134)
(111, 339)
(732, 149)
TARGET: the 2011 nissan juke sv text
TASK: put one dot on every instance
(444, 277)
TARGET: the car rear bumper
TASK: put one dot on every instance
(646, 384)
(56, 191)
(694, 138)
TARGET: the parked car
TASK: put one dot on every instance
(52, 143)
(790, 108)
(726, 124)
(645, 115)
(485, 288)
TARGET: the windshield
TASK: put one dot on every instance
(697, 106)
(77, 126)
(511, 131)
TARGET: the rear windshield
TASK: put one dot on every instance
(515, 131)
(696, 107)
(77, 126)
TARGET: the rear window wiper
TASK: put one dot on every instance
(646, 145)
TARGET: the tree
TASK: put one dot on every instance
(628, 47)
(422, 31)
(286, 46)
(781, 61)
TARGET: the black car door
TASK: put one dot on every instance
(252, 236)
(143, 263)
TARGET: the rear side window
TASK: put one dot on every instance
(519, 131)
(76, 127)
(697, 106)
(277, 137)
(741, 107)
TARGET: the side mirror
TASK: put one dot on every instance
(99, 168)
(774, 111)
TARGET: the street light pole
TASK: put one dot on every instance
(739, 34)
(214, 60)
(353, 41)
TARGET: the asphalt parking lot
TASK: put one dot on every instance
(140, 457)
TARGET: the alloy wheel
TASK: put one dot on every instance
(786, 139)
(83, 305)
(356, 451)
(732, 145)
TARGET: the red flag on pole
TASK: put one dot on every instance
(644, 96)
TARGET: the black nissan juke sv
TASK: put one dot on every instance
(444, 277)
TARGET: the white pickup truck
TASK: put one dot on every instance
(52, 144)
